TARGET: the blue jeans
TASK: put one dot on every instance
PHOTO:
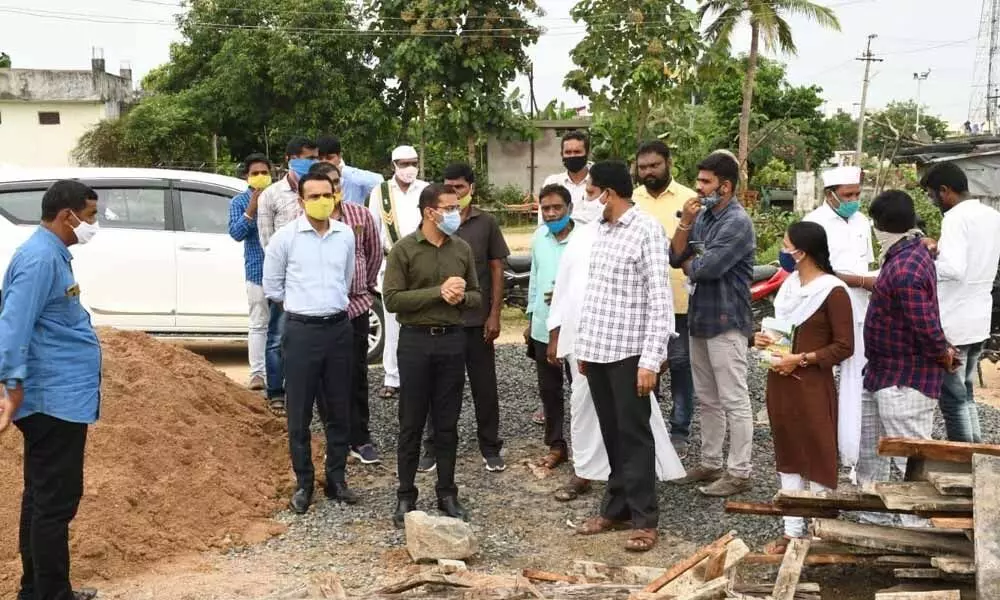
(958, 405)
(681, 382)
(273, 358)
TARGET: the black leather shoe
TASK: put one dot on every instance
(451, 507)
(402, 507)
(301, 500)
(85, 594)
(341, 493)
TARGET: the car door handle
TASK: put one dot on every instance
(195, 248)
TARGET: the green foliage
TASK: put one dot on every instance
(775, 174)
(882, 127)
(4, 60)
(770, 226)
(844, 129)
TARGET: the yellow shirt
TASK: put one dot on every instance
(664, 209)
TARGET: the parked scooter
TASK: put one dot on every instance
(516, 272)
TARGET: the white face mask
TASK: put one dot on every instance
(85, 231)
(407, 174)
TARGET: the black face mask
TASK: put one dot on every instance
(574, 164)
(656, 183)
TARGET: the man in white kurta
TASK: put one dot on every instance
(590, 459)
(849, 235)
(397, 216)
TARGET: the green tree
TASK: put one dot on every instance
(767, 23)
(4, 60)
(845, 130)
(453, 60)
(636, 54)
(897, 122)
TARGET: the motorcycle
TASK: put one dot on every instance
(516, 273)
(767, 279)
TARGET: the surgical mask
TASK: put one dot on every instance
(259, 182)
(574, 164)
(556, 227)
(407, 174)
(84, 231)
(300, 166)
(466, 201)
(320, 208)
(787, 261)
(847, 208)
(450, 222)
(711, 201)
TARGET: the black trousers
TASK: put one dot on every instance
(481, 366)
(431, 376)
(550, 388)
(624, 418)
(53, 486)
(318, 365)
(360, 413)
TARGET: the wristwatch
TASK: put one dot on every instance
(805, 360)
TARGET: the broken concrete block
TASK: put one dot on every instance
(432, 538)
(451, 566)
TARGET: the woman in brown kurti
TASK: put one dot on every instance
(801, 394)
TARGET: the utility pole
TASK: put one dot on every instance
(868, 59)
(920, 78)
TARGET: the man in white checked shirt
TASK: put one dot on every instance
(627, 320)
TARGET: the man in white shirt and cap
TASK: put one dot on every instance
(849, 234)
(395, 207)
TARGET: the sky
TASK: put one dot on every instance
(913, 36)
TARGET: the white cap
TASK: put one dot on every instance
(404, 153)
(841, 176)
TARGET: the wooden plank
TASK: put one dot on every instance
(736, 550)
(917, 573)
(917, 496)
(833, 499)
(688, 563)
(955, 565)
(768, 509)
(715, 566)
(890, 539)
(951, 484)
(811, 560)
(708, 591)
(958, 452)
(538, 575)
(915, 562)
(986, 472)
(765, 588)
(923, 595)
(953, 523)
(791, 569)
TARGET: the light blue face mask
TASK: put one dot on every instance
(450, 223)
(847, 208)
(711, 200)
(557, 227)
(300, 166)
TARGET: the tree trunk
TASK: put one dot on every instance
(471, 150)
(423, 135)
(744, 149)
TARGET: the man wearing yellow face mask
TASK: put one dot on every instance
(243, 228)
(308, 269)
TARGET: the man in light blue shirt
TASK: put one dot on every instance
(308, 268)
(555, 204)
(50, 364)
(357, 184)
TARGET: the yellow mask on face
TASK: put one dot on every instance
(465, 202)
(259, 182)
(338, 198)
(320, 208)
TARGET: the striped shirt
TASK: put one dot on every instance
(367, 256)
(628, 308)
(277, 206)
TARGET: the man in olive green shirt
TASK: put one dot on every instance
(430, 279)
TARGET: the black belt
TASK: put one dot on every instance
(327, 320)
(433, 330)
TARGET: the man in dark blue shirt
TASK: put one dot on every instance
(50, 365)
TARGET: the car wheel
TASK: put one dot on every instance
(376, 331)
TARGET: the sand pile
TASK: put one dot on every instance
(182, 460)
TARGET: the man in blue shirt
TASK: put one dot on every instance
(308, 269)
(356, 184)
(243, 228)
(50, 363)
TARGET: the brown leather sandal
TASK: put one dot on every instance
(553, 459)
(576, 487)
(596, 525)
(641, 540)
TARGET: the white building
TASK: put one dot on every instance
(43, 112)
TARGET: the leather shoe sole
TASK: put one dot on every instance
(300, 502)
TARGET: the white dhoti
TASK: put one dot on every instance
(851, 388)
(590, 459)
(390, 336)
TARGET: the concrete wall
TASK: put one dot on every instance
(510, 161)
(34, 85)
(23, 142)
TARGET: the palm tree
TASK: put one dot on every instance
(767, 22)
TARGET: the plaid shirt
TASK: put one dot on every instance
(627, 308)
(277, 206)
(903, 335)
(244, 230)
(722, 245)
(367, 256)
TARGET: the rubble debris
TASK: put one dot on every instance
(432, 538)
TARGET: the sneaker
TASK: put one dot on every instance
(367, 454)
(699, 475)
(427, 464)
(681, 448)
(494, 464)
(727, 485)
(538, 417)
(256, 383)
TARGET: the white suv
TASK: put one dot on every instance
(164, 262)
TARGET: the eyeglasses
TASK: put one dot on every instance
(449, 209)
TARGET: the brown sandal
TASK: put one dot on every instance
(641, 540)
(778, 546)
(596, 525)
(576, 487)
(387, 392)
(552, 460)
